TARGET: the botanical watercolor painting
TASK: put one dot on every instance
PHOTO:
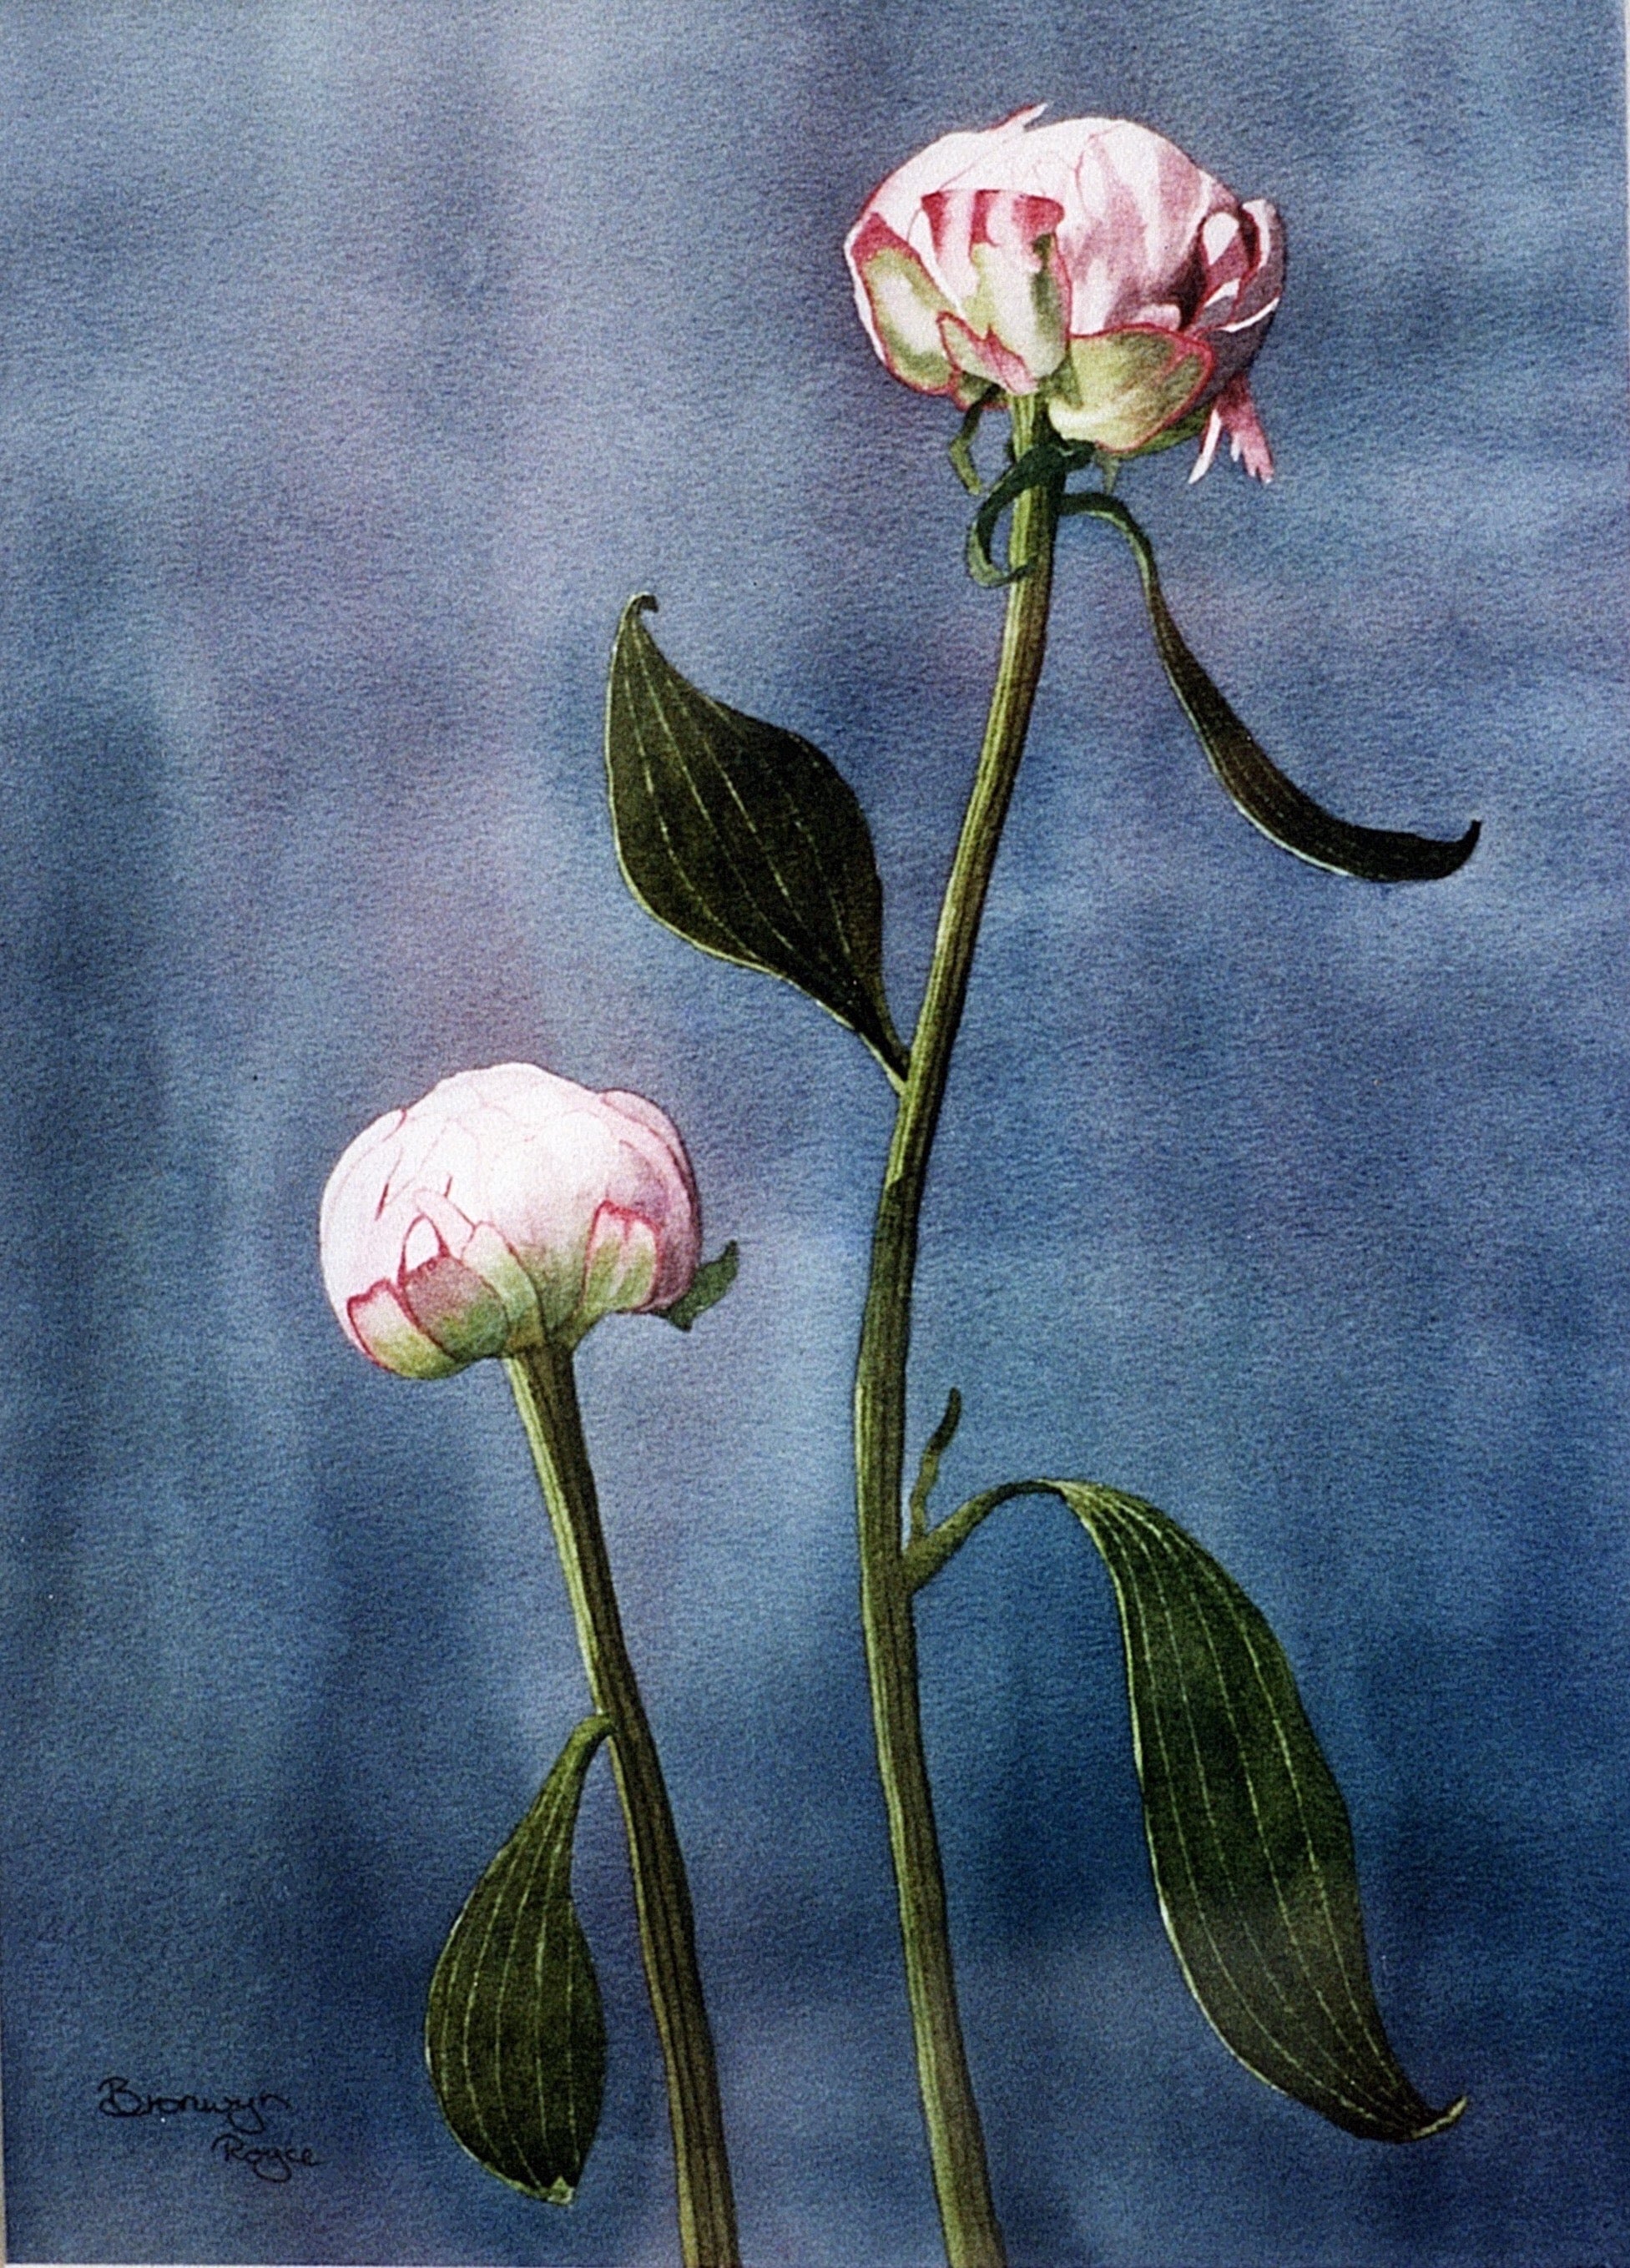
(816, 899)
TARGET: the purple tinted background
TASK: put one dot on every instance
(359, 362)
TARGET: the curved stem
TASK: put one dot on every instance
(546, 1394)
(956, 2141)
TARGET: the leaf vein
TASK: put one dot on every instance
(1382, 2103)
(1132, 1609)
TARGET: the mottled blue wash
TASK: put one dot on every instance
(356, 361)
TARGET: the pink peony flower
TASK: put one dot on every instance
(1088, 262)
(506, 1206)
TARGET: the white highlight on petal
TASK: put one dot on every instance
(421, 1243)
(501, 1179)
(1249, 322)
(1208, 448)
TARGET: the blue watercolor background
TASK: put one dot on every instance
(358, 361)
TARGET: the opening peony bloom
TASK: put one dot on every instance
(1090, 262)
(508, 1206)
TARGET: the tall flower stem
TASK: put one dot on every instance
(545, 1391)
(956, 2141)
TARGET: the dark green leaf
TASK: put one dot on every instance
(1260, 790)
(744, 838)
(928, 1469)
(1043, 463)
(513, 2035)
(962, 447)
(1249, 1836)
(708, 1286)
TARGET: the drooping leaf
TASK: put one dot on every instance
(708, 1286)
(744, 838)
(1272, 803)
(1248, 1833)
(513, 2034)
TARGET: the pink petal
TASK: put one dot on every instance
(387, 1335)
(1008, 220)
(1236, 320)
(421, 1245)
(898, 199)
(985, 357)
(1264, 284)
(1226, 263)
(900, 322)
(1134, 205)
(1234, 413)
(676, 1217)
(457, 1308)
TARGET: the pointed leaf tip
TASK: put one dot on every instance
(1249, 1837)
(1253, 783)
(744, 838)
(514, 2035)
(708, 1285)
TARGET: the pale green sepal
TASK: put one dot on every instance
(1022, 309)
(979, 370)
(1169, 437)
(906, 309)
(620, 1270)
(1118, 389)
(493, 1259)
(471, 1324)
(708, 1286)
(394, 1340)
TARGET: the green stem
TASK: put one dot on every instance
(930, 1548)
(546, 1394)
(956, 2142)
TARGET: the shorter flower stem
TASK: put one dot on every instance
(545, 1391)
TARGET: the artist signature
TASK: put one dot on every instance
(268, 2163)
(245, 2113)
(243, 2121)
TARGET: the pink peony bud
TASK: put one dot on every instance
(508, 1205)
(1090, 262)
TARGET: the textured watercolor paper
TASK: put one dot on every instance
(360, 362)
